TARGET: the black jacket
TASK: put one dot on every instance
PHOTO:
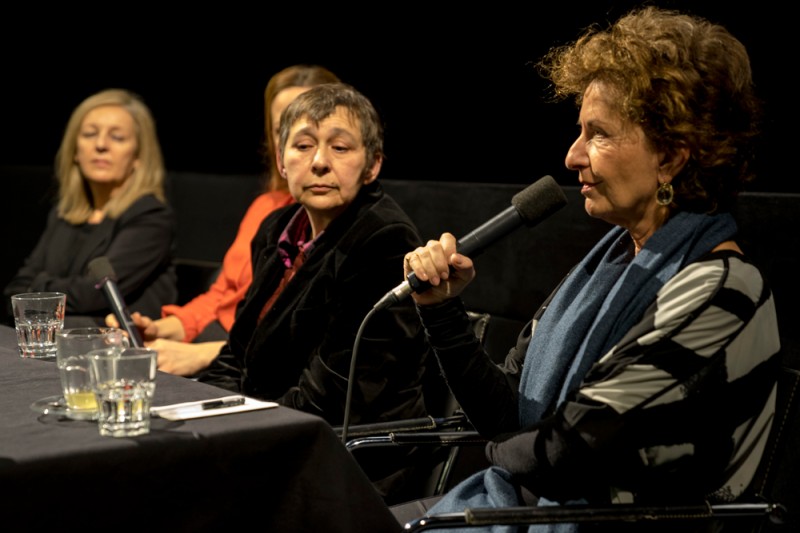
(139, 244)
(299, 354)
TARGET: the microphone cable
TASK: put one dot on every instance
(352, 374)
(529, 207)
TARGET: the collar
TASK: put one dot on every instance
(294, 238)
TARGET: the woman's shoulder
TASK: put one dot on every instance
(148, 205)
(148, 201)
(385, 219)
(721, 269)
(382, 210)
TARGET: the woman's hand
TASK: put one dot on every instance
(169, 327)
(183, 358)
(442, 266)
(146, 326)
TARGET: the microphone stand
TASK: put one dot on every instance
(352, 374)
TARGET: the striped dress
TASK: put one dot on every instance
(680, 407)
(692, 386)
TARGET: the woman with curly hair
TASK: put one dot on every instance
(649, 373)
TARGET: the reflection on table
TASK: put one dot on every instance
(275, 469)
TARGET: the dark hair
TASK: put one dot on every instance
(321, 101)
(686, 81)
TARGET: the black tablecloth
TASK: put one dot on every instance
(273, 470)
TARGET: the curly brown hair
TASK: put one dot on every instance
(686, 81)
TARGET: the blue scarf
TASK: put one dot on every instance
(602, 298)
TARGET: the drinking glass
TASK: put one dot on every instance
(37, 318)
(75, 370)
(123, 380)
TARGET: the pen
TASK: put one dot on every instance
(224, 402)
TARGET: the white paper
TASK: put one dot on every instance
(189, 410)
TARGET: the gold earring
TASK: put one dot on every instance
(664, 194)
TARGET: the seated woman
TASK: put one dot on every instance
(319, 266)
(649, 373)
(188, 337)
(111, 203)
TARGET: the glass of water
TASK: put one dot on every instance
(124, 382)
(37, 318)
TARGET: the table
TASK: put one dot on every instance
(275, 469)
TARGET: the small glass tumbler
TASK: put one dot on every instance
(37, 318)
(124, 382)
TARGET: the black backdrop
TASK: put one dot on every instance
(455, 86)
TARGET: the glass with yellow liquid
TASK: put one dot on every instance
(75, 369)
(76, 384)
(81, 400)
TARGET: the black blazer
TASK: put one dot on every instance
(139, 244)
(299, 354)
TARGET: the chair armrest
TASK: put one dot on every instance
(608, 513)
(439, 438)
(427, 423)
(444, 439)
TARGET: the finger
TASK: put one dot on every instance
(449, 243)
(461, 262)
(407, 268)
(439, 256)
(111, 321)
(428, 261)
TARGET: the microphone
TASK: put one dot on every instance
(102, 272)
(529, 206)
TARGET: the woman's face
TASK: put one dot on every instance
(325, 165)
(107, 146)
(279, 103)
(617, 167)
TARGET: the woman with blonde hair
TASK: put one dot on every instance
(190, 336)
(110, 175)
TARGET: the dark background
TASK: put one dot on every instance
(455, 87)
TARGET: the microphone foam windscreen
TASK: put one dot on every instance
(539, 200)
(100, 268)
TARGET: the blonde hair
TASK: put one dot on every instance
(294, 76)
(74, 199)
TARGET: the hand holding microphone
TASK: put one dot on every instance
(435, 265)
(529, 206)
(105, 278)
(446, 259)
